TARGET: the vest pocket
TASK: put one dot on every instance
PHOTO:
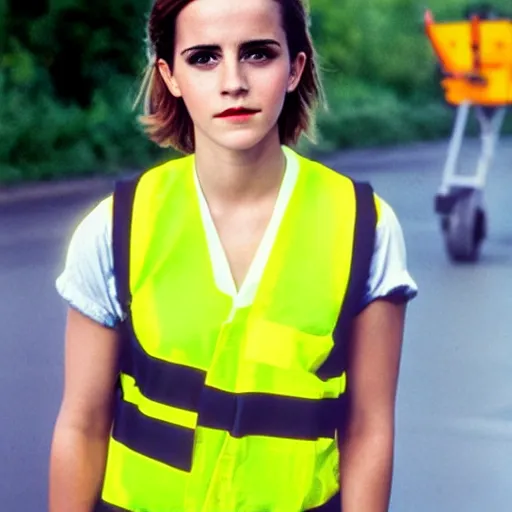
(285, 347)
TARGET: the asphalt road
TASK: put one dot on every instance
(454, 431)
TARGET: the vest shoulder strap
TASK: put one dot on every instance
(364, 245)
(362, 254)
(123, 198)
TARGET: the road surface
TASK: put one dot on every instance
(454, 429)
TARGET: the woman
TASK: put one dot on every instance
(225, 305)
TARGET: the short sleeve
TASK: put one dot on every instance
(389, 277)
(87, 282)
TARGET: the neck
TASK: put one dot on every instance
(240, 176)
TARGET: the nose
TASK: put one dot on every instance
(234, 79)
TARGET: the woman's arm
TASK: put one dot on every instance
(83, 425)
(366, 448)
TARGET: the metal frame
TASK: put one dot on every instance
(460, 197)
(490, 127)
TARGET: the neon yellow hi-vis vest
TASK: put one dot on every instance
(233, 412)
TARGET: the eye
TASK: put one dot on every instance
(259, 55)
(202, 59)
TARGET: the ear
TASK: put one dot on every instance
(168, 78)
(296, 70)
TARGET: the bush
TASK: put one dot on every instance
(44, 139)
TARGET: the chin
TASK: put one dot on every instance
(242, 141)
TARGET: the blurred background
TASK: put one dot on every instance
(69, 72)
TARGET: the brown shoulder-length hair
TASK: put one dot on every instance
(166, 119)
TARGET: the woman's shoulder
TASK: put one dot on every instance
(87, 281)
(387, 218)
(94, 231)
(390, 277)
(99, 216)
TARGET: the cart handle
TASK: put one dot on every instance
(474, 76)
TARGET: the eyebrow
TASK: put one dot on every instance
(244, 46)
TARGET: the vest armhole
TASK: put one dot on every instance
(123, 198)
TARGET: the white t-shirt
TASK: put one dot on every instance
(88, 283)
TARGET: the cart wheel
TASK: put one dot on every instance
(464, 228)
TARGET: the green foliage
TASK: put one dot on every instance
(363, 115)
(376, 42)
(68, 77)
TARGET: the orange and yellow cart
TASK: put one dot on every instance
(475, 57)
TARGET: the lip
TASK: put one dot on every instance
(237, 112)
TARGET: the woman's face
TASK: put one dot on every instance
(229, 55)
